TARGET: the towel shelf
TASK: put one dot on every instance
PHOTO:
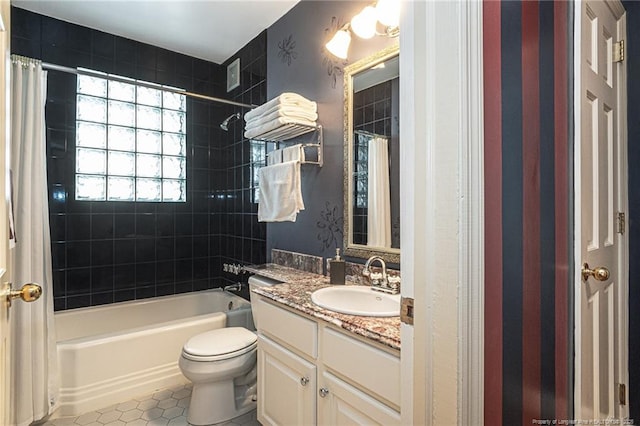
(286, 131)
(292, 130)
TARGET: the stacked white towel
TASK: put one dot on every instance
(284, 109)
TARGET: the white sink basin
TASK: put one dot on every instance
(357, 300)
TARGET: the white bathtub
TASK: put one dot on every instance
(113, 353)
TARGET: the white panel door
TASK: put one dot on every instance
(601, 295)
(5, 343)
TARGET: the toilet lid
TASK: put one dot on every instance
(230, 341)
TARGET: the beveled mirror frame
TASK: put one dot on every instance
(350, 249)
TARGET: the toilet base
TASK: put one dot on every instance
(227, 406)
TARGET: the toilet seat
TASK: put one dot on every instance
(220, 344)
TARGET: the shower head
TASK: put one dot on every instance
(225, 123)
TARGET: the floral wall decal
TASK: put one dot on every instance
(286, 51)
(333, 64)
(330, 227)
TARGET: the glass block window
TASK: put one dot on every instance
(361, 173)
(258, 160)
(130, 142)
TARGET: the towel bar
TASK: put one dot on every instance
(289, 131)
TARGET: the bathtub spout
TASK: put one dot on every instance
(233, 287)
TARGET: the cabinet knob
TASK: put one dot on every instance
(323, 392)
(304, 381)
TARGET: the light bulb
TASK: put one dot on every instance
(339, 43)
(388, 12)
(364, 23)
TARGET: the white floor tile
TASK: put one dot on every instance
(127, 406)
(167, 403)
(109, 408)
(179, 421)
(131, 415)
(162, 395)
(152, 414)
(173, 412)
(158, 422)
(147, 404)
(109, 416)
(182, 393)
(184, 402)
(166, 407)
(87, 418)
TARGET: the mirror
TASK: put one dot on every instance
(372, 157)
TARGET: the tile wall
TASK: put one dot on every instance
(105, 252)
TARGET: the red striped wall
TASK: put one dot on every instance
(534, 385)
(493, 210)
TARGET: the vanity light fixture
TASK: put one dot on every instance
(388, 13)
(365, 25)
(339, 43)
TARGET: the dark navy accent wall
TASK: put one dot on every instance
(547, 214)
(317, 75)
(105, 252)
(632, 46)
(512, 183)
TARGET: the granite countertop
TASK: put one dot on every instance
(295, 292)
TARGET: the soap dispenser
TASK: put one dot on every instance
(337, 269)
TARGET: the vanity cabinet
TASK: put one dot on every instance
(286, 386)
(343, 404)
(310, 372)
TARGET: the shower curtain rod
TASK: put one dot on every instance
(54, 67)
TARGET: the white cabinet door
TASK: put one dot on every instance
(286, 386)
(342, 404)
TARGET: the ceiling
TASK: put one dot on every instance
(207, 29)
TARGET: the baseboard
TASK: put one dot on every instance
(80, 400)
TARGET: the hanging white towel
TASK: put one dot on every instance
(280, 192)
(287, 98)
(293, 153)
(274, 157)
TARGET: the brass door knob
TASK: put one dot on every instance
(28, 293)
(599, 273)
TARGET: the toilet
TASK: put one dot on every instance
(221, 364)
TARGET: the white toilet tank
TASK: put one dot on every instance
(258, 281)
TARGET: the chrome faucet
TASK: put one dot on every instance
(380, 281)
(233, 287)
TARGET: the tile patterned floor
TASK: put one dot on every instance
(163, 408)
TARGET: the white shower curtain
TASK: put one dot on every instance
(34, 388)
(379, 198)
